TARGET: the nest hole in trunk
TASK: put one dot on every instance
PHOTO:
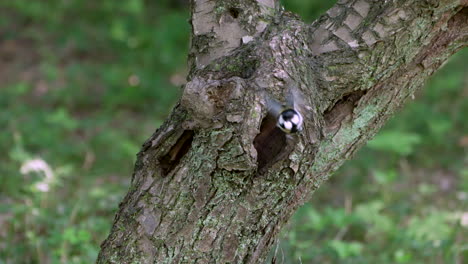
(169, 161)
(269, 143)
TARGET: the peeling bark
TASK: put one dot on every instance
(197, 193)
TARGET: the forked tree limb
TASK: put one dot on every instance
(198, 194)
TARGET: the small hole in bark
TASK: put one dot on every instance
(269, 143)
(341, 110)
(234, 12)
(173, 157)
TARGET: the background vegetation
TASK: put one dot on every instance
(84, 83)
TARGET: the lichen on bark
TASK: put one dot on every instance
(197, 193)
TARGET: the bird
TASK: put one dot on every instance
(290, 121)
(287, 115)
(278, 129)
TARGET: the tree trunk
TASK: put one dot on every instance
(214, 185)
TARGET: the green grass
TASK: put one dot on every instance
(84, 84)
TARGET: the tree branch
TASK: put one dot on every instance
(198, 194)
(220, 26)
(361, 42)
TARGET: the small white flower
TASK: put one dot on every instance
(39, 165)
(464, 219)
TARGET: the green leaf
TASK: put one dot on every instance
(402, 256)
(344, 249)
(385, 177)
(135, 6)
(432, 227)
(371, 213)
(398, 142)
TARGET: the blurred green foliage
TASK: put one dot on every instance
(84, 83)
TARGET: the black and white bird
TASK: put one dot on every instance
(287, 115)
(290, 121)
(284, 120)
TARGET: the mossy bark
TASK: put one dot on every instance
(198, 194)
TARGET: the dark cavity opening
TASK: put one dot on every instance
(173, 157)
(234, 12)
(342, 108)
(269, 143)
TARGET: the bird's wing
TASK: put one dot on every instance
(274, 107)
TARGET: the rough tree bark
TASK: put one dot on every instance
(214, 186)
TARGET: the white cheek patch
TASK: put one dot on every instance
(288, 125)
(295, 119)
(281, 119)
